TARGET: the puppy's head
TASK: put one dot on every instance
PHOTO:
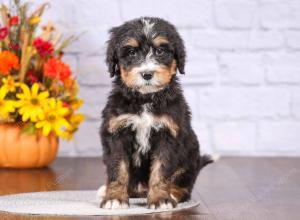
(145, 53)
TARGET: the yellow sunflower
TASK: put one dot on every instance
(6, 106)
(54, 119)
(77, 118)
(74, 121)
(31, 104)
(9, 84)
(76, 104)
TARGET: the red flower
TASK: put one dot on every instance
(43, 47)
(56, 69)
(32, 77)
(67, 105)
(13, 21)
(3, 32)
(14, 46)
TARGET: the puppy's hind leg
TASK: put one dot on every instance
(182, 180)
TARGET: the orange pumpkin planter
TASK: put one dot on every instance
(20, 150)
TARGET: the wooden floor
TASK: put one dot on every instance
(232, 188)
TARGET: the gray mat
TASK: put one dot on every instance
(74, 203)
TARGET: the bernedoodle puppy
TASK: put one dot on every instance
(149, 147)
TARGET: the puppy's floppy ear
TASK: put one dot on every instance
(180, 54)
(111, 53)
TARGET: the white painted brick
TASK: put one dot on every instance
(265, 40)
(59, 12)
(232, 137)
(189, 36)
(192, 13)
(94, 94)
(203, 135)
(202, 69)
(66, 148)
(87, 139)
(293, 39)
(295, 105)
(92, 111)
(235, 40)
(294, 21)
(283, 68)
(236, 14)
(94, 101)
(85, 19)
(214, 39)
(92, 70)
(90, 40)
(237, 68)
(191, 96)
(200, 128)
(84, 13)
(245, 103)
(96, 13)
(281, 136)
(280, 14)
(282, 75)
(274, 13)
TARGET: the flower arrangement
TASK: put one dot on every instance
(37, 88)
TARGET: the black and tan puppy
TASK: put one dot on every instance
(149, 146)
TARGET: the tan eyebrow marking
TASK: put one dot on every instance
(132, 42)
(159, 40)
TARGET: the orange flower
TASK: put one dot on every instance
(8, 61)
(69, 83)
(56, 69)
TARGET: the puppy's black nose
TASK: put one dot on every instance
(148, 75)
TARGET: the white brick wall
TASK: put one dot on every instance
(242, 76)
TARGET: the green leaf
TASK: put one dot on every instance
(29, 129)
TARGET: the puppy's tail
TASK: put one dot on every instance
(207, 159)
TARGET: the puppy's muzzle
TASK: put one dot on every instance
(147, 75)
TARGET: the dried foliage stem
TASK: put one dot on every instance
(5, 20)
(25, 58)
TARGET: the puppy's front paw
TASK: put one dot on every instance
(116, 196)
(101, 192)
(114, 204)
(162, 203)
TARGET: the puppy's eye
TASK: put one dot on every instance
(132, 53)
(160, 51)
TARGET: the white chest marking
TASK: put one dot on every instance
(143, 124)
